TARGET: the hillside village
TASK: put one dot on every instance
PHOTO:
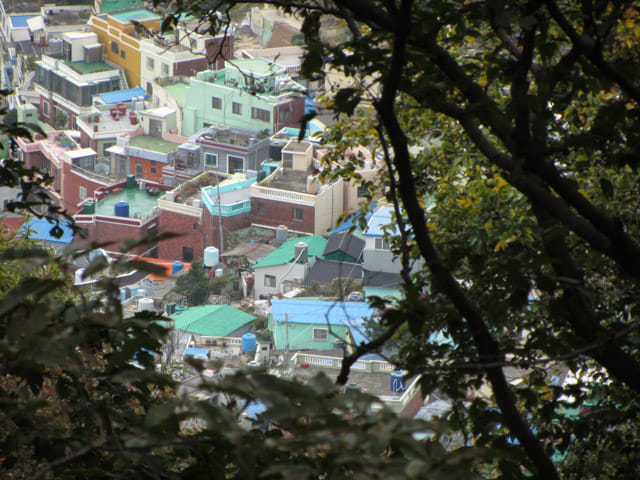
(151, 133)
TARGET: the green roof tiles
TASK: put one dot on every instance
(285, 254)
(211, 320)
(154, 144)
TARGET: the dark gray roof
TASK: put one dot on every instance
(381, 279)
(325, 271)
(345, 242)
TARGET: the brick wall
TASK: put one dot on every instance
(217, 51)
(211, 227)
(174, 222)
(151, 170)
(281, 213)
(113, 231)
(72, 181)
(411, 408)
(295, 107)
(189, 68)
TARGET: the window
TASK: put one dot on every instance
(297, 213)
(216, 102)
(260, 114)
(320, 334)
(236, 108)
(115, 47)
(363, 191)
(165, 69)
(211, 160)
(187, 254)
(287, 160)
(150, 63)
(123, 54)
(284, 115)
(153, 169)
(382, 244)
(269, 280)
(83, 193)
(260, 207)
(45, 108)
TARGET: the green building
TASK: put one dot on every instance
(252, 94)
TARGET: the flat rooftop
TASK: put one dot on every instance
(20, 21)
(139, 15)
(291, 180)
(154, 144)
(71, 15)
(177, 91)
(84, 68)
(140, 203)
(107, 6)
(229, 136)
(297, 147)
(258, 66)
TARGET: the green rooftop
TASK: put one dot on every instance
(140, 203)
(177, 91)
(107, 6)
(211, 320)
(258, 66)
(138, 15)
(285, 254)
(85, 68)
(153, 144)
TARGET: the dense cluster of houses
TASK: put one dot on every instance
(185, 132)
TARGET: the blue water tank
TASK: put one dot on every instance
(176, 267)
(248, 342)
(397, 383)
(121, 209)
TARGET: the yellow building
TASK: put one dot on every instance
(119, 36)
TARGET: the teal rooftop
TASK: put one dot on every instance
(138, 15)
(85, 68)
(107, 6)
(141, 204)
(177, 91)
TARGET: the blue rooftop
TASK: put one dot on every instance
(122, 95)
(20, 21)
(351, 221)
(40, 229)
(351, 314)
(380, 219)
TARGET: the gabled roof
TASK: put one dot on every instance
(351, 221)
(353, 315)
(285, 254)
(381, 279)
(325, 271)
(345, 242)
(211, 320)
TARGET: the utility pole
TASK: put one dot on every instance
(221, 233)
(286, 322)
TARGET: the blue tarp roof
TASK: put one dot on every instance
(351, 314)
(254, 408)
(121, 95)
(20, 21)
(197, 352)
(351, 221)
(380, 219)
(40, 229)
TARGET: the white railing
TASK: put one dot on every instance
(277, 194)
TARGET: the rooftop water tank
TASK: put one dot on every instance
(219, 272)
(89, 208)
(211, 257)
(300, 252)
(282, 232)
(248, 342)
(121, 209)
(145, 304)
(397, 382)
(176, 267)
(170, 308)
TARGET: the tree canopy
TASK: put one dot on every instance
(518, 122)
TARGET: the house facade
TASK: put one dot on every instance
(67, 84)
(251, 94)
(293, 196)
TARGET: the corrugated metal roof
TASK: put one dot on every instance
(211, 320)
(285, 254)
(122, 95)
